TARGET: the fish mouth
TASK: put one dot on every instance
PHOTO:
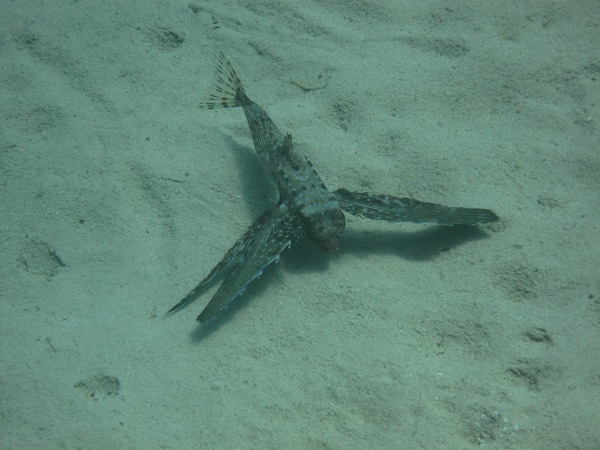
(329, 245)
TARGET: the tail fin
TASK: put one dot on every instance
(229, 91)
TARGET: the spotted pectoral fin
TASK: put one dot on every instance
(218, 270)
(232, 258)
(396, 209)
(260, 245)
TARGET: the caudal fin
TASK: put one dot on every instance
(228, 92)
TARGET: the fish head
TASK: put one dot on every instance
(324, 229)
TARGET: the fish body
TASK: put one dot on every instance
(306, 208)
(298, 183)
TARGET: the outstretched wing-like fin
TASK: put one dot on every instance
(260, 245)
(396, 209)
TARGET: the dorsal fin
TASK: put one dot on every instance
(288, 146)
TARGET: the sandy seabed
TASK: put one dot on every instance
(118, 194)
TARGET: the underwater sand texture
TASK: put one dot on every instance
(118, 192)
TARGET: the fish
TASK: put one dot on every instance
(305, 210)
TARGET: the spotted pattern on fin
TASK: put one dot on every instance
(260, 245)
(395, 209)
